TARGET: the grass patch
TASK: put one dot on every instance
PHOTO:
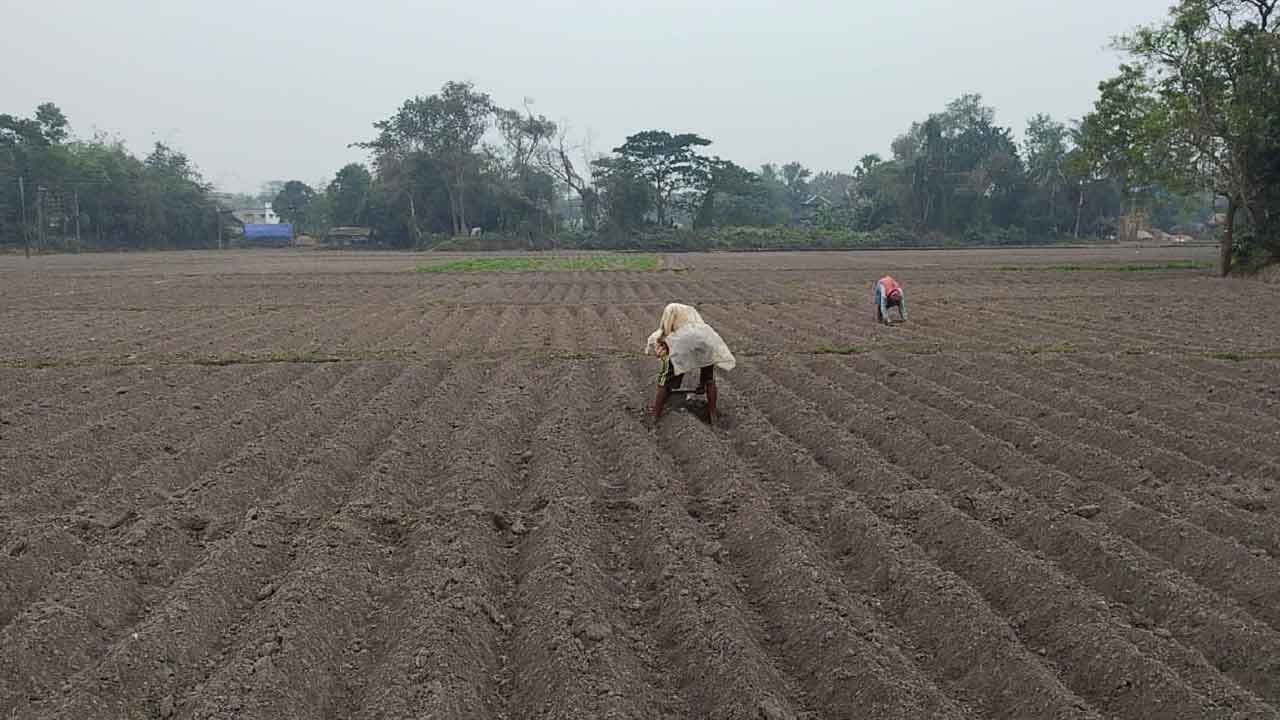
(839, 350)
(500, 264)
(585, 263)
(1125, 267)
(1228, 356)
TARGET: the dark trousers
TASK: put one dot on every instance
(671, 381)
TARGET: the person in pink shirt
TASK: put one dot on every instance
(889, 293)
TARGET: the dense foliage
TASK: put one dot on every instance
(954, 177)
(1198, 110)
(58, 193)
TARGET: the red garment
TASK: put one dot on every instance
(891, 289)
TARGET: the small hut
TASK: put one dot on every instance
(346, 236)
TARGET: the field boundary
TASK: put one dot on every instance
(402, 356)
(1124, 267)
(615, 262)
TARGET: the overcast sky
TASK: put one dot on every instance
(257, 91)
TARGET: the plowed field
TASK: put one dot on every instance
(310, 485)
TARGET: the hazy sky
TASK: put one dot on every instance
(255, 91)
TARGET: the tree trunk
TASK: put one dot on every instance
(452, 191)
(703, 217)
(413, 221)
(1228, 237)
(1079, 212)
(590, 206)
(462, 206)
(40, 221)
(1053, 208)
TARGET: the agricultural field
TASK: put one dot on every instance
(376, 485)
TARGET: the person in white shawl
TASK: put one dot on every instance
(685, 342)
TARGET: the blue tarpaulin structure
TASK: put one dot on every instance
(279, 232)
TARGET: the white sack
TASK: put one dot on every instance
(698, 345)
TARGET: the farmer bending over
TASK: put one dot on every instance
(685, 342)
(889, 294)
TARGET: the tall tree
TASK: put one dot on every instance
(525, 136)
(522, 188)
(965, 113)
(930, 172)
(1121, 140)
(669, 163)
(875, 192)
(964, 170)
(1202, 96)
(293, 201)
(777, 194)
(445, 127)
(796, 177)
(1047, 148)
(349, 193)
(556, 161)
(733, 195)
(625, 193)
(53, 124)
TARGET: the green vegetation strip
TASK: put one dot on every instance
(839, 350)
(585, 263)
(1127, 267)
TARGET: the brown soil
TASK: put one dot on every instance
(299, 484)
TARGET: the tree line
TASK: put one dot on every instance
(1187, 135)
(450, 161)
(58, 193)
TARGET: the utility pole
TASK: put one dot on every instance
(40, 191)
(26, 236)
